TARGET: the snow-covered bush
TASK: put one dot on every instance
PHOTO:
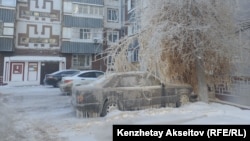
(178, 37)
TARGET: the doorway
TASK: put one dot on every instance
(47, 68)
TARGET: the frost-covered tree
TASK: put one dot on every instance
(181, 41)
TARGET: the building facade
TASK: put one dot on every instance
(7, 23)
(37, 42)
(82, 33)
(114, 29)
(38, 37)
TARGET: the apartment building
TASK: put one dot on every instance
(38, 37)
(114, 28)
(7, 22)
(133, 26)
(37, 42)
(82, 33)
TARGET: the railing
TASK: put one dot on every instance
(235, 90)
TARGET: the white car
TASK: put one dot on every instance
(83, 77)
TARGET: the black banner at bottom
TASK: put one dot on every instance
(164, 132)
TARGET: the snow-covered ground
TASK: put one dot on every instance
(42, 113)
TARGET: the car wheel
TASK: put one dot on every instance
(56, 85)
(182, 100)
(108, 107)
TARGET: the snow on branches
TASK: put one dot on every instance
(174, 34)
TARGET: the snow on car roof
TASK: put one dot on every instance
(106, 77)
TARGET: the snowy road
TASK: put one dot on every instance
(42, 113)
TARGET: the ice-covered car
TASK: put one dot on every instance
(126, 92)
(81, 78)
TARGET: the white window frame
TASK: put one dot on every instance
(112, 15)
(85, 33)
(81, 60)
(112, 34)
(135, 55)
(87, 9)
(131, 5)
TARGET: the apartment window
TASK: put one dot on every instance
(134, 56)
(101, 11)
(134, 51)
(83, 9)
(131, 4)
(113, 36)
(75, 8)
(85, 34)
(113, 15)
(1, 27)
(8, 2)
(79, 60)
(87, 9)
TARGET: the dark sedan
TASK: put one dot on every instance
(55, 78)
(128, 91)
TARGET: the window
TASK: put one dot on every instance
(88, 74)
(75, 8)
(101, 11)
(113, 15)
(87, 9)
(131, 4)
(8, 2)
(113, 36)
(98, 74)
(81, 60)
(85, 34)
(1, 27)
(135, 55)
(134, 51)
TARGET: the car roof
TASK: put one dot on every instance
(90, 71)
(64, 71)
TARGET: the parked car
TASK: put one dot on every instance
(127, 91)
(83, 77)
(55, 78)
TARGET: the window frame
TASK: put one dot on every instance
(110, 13)
(112, 34)
(87, 9)
(77, 61)
(85, 33)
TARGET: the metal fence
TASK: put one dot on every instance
(233, 89)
